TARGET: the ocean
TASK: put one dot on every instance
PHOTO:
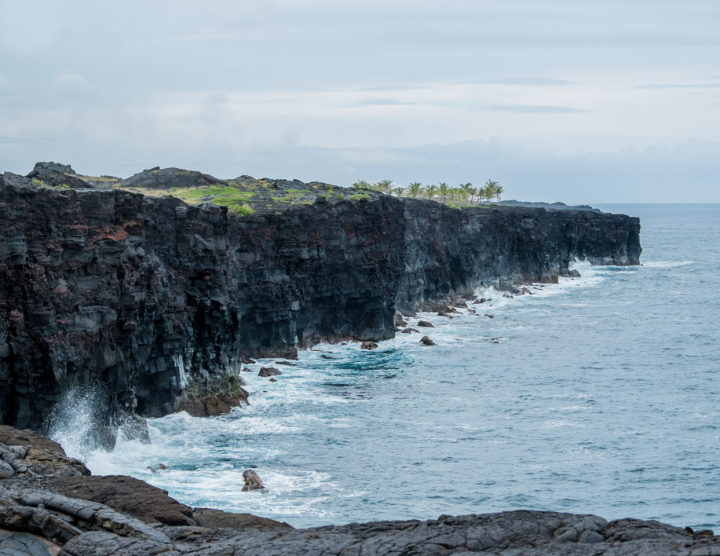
(597, 395)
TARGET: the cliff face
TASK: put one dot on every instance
(157, 300)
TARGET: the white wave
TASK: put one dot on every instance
(666, 264)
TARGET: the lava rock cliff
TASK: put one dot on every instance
(156, 300)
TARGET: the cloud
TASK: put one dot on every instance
(387, 102)
(529, 81)
(681, 86)
(533, 109)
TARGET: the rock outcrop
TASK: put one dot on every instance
(158, 301)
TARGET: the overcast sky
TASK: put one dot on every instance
(572, 100)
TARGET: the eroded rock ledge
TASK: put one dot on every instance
(46, 511)
(157, 300)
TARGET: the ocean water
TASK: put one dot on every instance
(598, 395)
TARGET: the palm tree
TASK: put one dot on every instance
(466, 188)
(491, 187)
(473, 193)
(384, 186)
(498, 191)
(399, 191)
(431, 191)
(414, 189)
(443, 190)
(361, 184)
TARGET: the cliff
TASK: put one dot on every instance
(157, 301)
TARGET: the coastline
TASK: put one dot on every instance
(50, 504)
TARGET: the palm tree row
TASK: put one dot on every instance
(465, 193)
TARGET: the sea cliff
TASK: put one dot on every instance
(156, 302)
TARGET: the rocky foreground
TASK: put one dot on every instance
(50, 504)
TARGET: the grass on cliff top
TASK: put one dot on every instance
(222, 195)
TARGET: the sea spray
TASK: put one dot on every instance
(73, 422)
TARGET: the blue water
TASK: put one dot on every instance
(602, 396)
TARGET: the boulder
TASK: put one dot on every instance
(368, 345)
(490, 316)
(10, 436)
(6, 470)
(252, 481)
(399, 320)
(269, 371)
(426, 341)
(424, 324)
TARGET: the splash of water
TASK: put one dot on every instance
(73, 421)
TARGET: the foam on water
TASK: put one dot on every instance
(599, 396)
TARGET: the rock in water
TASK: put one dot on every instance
(269, 371)
(252, 481)
(425, 324)
(399, 320)
(368, 345)
(426, 341)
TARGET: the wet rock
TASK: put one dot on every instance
(10, 436)
(509, 296)
(213, 405)
(273, 380)
(206, 517)
(252, 481)
(126, 495)
(409, 330)
(326, 357)
(269, 371)
(479, 301)
(245, 360)
(573, 274)
(424, 324)
(368, 345)
(525, 291)
(426, 341)
(489, 316)
(399, 320)
(287, 363)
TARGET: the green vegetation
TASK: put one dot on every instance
(340, 197)
(360, 197)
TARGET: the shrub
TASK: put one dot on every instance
(360, 197)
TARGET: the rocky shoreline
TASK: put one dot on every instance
(50, 504)
(124, 287)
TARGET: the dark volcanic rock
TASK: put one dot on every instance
(425, 324)
(518, 533)
(269, 371)
(368, 345)
(57, 175)
(167, 178)
(126, 495)
(252, 481)
(426, 341)
(160, 301)
(25, 453)
(206, 517)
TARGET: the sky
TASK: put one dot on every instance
(581, 101)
